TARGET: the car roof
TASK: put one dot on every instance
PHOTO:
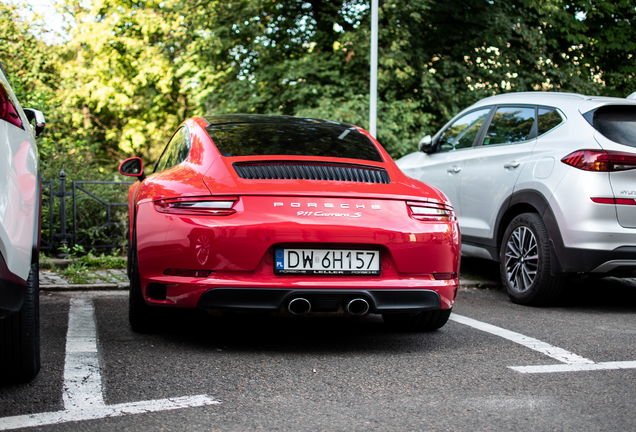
(558, 99)
(274, 119)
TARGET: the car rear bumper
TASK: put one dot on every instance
(618, 262)
(273, 300)
(239, 291)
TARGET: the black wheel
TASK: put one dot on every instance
(142, 318)
(417, 322)
(20, 336)
(525, 262)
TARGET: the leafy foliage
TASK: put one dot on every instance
(130, 71)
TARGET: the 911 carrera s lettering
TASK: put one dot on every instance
(319, 213)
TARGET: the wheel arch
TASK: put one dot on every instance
(532, 201)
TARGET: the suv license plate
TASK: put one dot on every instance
(327, 261)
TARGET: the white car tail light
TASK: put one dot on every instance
(197, 206)
(431, 211)
(600, 160)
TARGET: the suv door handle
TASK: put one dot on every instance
(513, 164)
(454, 169)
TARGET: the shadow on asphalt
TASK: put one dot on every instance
(260, 333)
(600, 294)
(481, 270)
(588, 293)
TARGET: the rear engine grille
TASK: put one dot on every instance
(311, 171)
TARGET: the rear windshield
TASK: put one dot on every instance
(260, 139)
(617, 123)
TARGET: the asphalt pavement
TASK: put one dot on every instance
(494, 366)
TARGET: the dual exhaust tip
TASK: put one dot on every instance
(302, 306)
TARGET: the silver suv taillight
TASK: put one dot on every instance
(601, 160)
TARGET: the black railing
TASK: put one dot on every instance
(92, 219)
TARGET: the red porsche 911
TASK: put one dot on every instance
(287, 215)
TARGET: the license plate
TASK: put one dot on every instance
(327, 261)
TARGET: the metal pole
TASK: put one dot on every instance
(62, 195)
(373, 103)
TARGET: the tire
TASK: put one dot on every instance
(425, 321)
(524, 263)
(20, 336)
(142, 318)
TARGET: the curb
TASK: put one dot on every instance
(474, 283)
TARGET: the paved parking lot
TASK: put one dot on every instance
(495, 365)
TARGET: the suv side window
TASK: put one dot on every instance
(176, 150)
(549, 118)
(462, 133)
(510, 125)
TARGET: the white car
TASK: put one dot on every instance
(20, 206)
(544, 183)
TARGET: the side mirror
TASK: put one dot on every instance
(426, 144)
(35, 116)
(133, 167)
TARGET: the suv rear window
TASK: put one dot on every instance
(260, 139)
(617, 123)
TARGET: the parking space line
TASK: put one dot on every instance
(74, 415)
(575, 367)
(82, 389)
(82, 377)
(572, 362)
(545, 348)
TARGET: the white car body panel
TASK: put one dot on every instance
(485, 171)
(18, 180)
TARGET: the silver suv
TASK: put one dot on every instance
(20, 206)
(544, 183)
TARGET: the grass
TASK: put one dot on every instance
(102, 262)
(76, 273)
(79, 262)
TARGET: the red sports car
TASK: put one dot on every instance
(287, 215)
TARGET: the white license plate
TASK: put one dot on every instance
(327, 261)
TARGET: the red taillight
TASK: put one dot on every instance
(431, 211)
(619, 201)
(187, 273)
(600, 160)
(222, 206)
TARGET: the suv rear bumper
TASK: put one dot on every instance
(618, 262)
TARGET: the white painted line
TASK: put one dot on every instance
(94, 413)
(82, 393)
(575, 367)
(82, 376)
(545, 348)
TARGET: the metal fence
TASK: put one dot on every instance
(93, 214)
